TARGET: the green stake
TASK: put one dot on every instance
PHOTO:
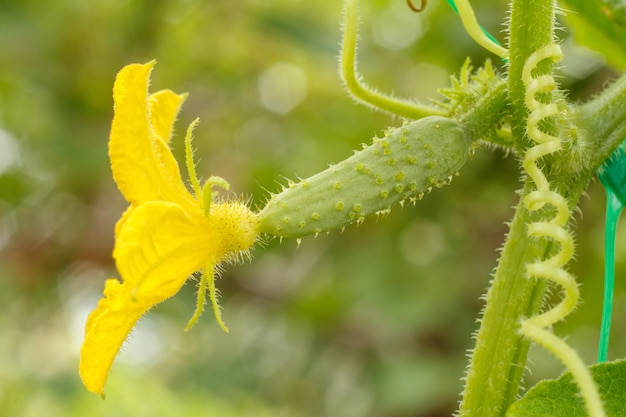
(613, 177)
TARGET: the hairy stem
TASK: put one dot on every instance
(531, 27)
(603, 121)
(499, 356)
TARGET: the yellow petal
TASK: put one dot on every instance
(159, 246)
(143, 166)
(106, 329)
(122, 220)
(164, 106)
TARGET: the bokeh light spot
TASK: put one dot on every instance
(282, 87)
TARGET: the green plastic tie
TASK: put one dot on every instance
(613, 177)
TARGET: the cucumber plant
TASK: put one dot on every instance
(560, 146)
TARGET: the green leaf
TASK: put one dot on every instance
(599, 26)
(561, 398)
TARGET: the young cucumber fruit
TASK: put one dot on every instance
(403, 165)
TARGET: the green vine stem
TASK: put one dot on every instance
(604, 122)
(592, 132)
(499, 356)
(496, 368)
(530, 28)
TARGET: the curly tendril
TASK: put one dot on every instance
(536, 328)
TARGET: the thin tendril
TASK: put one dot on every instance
(417, 9)
(359, 89)
(477, 32)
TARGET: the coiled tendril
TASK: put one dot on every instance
(543, 111)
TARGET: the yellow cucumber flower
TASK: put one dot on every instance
(167, 233)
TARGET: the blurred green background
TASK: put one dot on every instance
(374, 321)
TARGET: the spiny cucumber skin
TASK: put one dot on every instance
(405, 164)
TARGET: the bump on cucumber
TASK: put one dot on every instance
(403, 165)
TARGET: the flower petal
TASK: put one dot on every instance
(106, 329)
(143, 166)
(164, 106)
(159, 246)
(122, 220)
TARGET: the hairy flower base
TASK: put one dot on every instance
(167, 233)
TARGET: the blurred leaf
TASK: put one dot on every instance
(599, 27)
(561, 397)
